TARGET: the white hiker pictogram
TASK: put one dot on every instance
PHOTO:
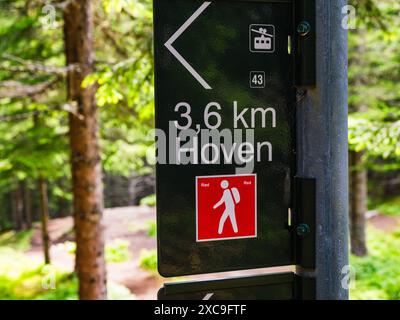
(230, 197)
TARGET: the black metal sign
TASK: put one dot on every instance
(282, 286)
(268, 287)
(225, 133)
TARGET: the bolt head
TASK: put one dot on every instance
(303, 28)
(303, 229)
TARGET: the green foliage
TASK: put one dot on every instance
(34, 126)
(390, 207)
(148, 201)
(37, 150)
(378, 275)
(33, 123)
(368, 13)
(66, 289)
(20, 241)
(69, 247)
(125, 85)
(148, 260)
(374, 79)
(379, 138)
(117, 251)
(22, 279)
(152, 229)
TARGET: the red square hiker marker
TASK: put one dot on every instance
(226, 207)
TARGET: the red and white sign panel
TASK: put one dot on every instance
(226, 207)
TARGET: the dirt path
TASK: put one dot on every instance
(131, 224)
(385, 223)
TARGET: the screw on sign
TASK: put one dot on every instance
(226, 207)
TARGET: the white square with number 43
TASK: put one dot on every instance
(257, 79)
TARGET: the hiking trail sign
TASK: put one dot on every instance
(225, 132)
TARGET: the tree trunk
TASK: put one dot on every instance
(358, 200)
(27, 206)
(14, 209)
(358, 176)
(17, 208)
(44, 219)
(85, 154)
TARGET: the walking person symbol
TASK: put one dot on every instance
(230, 197)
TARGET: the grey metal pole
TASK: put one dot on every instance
(323, 149)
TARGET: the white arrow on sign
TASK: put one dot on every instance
(177, 55)
(208, 296)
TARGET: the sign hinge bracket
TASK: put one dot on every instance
(304, 47)
(304, 222)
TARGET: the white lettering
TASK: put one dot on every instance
(214, 151)
(190, 147)
(259, 149)
(240, 117)
(264, 117)
(246, 152)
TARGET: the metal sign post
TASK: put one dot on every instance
(322, 150)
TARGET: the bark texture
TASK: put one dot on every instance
(27, 205)
(85, 153)
(358, 200)
(17, 208)
(44, 219)
(358, 178)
